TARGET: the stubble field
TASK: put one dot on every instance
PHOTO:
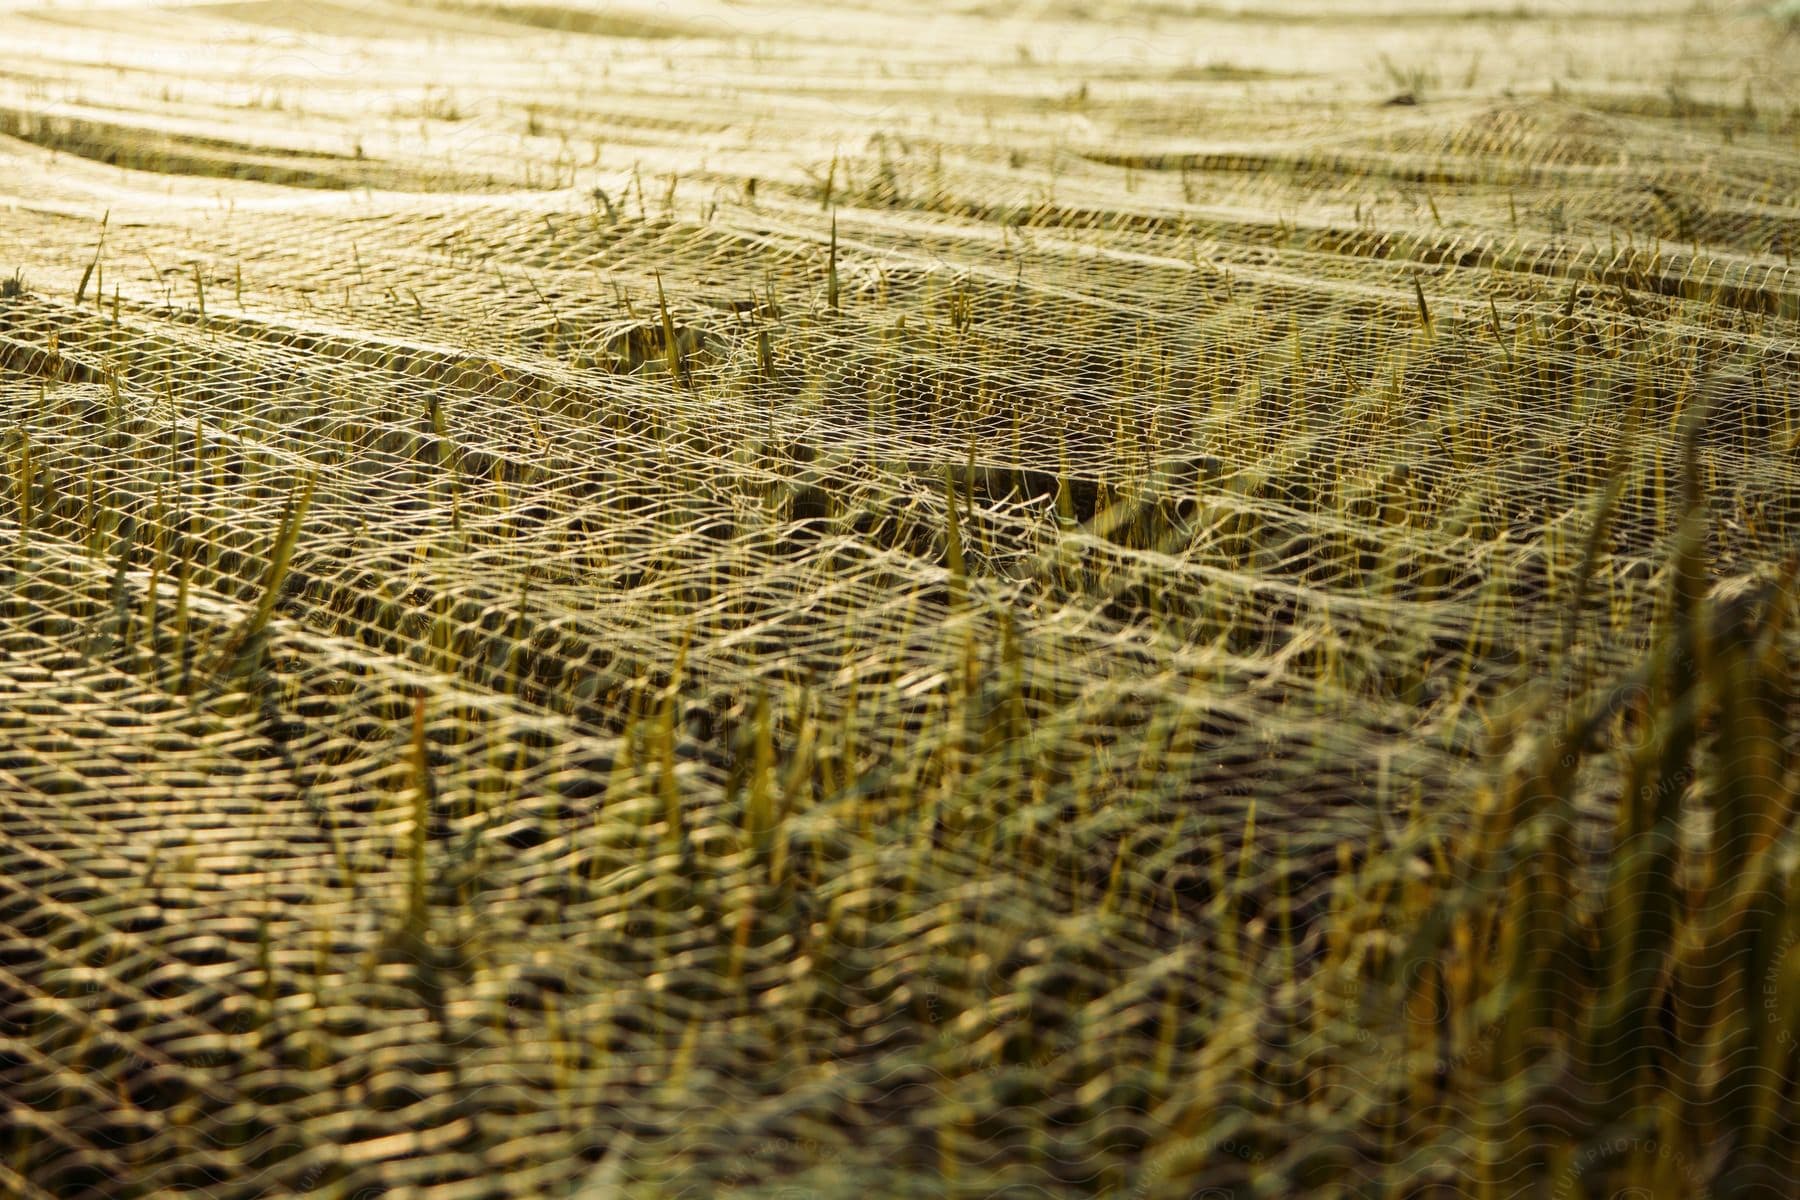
(1028, 599)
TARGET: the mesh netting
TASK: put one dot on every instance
(604, 602)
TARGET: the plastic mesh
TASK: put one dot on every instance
(858, 583)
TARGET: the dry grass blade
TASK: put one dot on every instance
(242, 649)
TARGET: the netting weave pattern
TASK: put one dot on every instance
(765, 599)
